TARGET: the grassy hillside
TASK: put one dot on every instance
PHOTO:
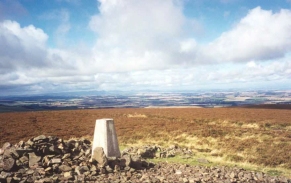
(255, 137)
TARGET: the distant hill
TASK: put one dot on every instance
(267, 106)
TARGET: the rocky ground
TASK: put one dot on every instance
(51, 159)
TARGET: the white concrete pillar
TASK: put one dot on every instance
(105, 137)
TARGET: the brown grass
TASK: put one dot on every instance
(254, 136)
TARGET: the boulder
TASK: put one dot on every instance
(40, 138)
(100, 156)
(65, 168)
(136, 163)
(11, 153)
(33, 159)
(8, 164)
(125, 161)
(6, 145)
(56, 161)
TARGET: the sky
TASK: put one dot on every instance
(49, 46)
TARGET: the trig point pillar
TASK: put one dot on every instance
(105, 137)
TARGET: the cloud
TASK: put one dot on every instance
(139, 35)
(204, 76)
(134, 36)
(251, 64)
(145, 45)
(21, 47)
(261, 35)
(188, 45)
(25, 58)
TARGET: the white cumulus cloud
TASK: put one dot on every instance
(145, 45)
(21, 47)
(261, 35)
(139, 35)
(25, 58)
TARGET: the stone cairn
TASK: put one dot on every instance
(51, 159)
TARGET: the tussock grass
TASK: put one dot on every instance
(136, 115)
(208, 149)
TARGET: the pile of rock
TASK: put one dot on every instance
(168, 173)
(153, 151)
(51, 159)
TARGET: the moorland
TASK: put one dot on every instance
(254, 138)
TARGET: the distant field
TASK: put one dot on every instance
(241, 135)
(268, 106)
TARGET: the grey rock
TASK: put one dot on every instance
(23, 159)
(16, 179)
(116, 168)
(54, 150)
(1, 165)
(39, 181)
(6, 145)
(126, 160)
(55, 161)
(65, 168)
(173, 146)
(127, 168)
(21, 152)
(80, 178)
(8, 164)
(48, 180)
(68, 174)
(178, 172)
(170, 154)
(233, 175)
(93, 168)
(33, 159)
(108, 169)
(136, 162)
(45, 161)
(100, 156)
(40, 138)
(81, 170)
(40, 171)
(29, 172)
(88, 152)
(30, 142)
(48, 170)
(248, 176)
(161, 154)
(102, 171)
(11, 153)
(66, 156)
(4, 175)
(9, 179)
(1, 151)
